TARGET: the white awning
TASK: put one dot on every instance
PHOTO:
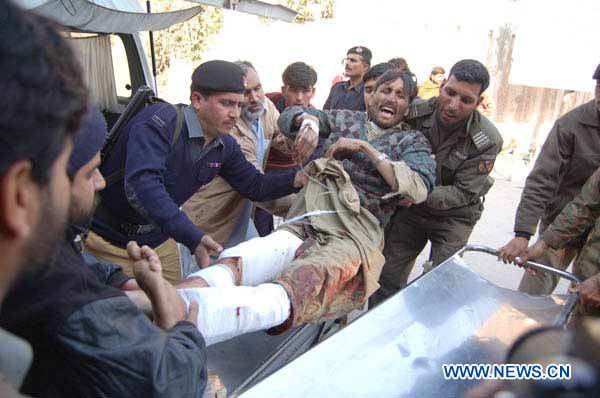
(260, 8)
(128, 16)
(107, 16)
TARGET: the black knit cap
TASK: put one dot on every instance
(362, 51)
(219, 76)
(597, 73)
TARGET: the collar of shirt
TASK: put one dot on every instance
(347, 87)
(197, 135)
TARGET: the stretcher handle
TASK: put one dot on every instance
(529, 264)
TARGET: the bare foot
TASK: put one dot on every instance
(168, 308)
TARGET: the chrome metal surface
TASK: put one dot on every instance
(449, 315)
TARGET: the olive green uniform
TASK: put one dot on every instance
(465, 158)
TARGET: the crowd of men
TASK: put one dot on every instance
(176, 222)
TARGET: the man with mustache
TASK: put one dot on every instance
(164, 155)
(349, 94)
(217, 208)
(325, 261)
(43, 99)
(89, 339)
(464, 144)
(567, 159)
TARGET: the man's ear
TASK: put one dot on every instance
(283, 89)
(443, 83)
(197, 99)
(480, 99)
(19, 201)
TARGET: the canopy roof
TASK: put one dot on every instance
(128, 16)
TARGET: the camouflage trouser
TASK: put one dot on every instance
(585, 259)
(406, 236)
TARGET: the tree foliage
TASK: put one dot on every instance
(188, 40)
(303, 8)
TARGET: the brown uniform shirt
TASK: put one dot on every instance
(464, 160)
(567, 159)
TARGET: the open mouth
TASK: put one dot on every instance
(386, 112)
(448, 116)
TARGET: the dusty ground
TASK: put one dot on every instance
(496, 227)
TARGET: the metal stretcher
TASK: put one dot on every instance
(449, 315)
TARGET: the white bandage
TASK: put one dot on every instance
(310, 123)
(224, 313)
(264, 258)
(218, 275)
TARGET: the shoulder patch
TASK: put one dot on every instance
(420, 109)
(481, 140)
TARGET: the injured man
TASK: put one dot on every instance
(325, 260)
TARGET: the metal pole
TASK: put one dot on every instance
(152, 54)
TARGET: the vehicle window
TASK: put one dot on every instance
(121, 67)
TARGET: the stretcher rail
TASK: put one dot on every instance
(529, 264)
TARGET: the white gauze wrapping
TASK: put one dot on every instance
(264, 258)
(216, 275)
(227, 312)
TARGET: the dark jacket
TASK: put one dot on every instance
(161, 176)
(342, 96)
(567, 159)
(464, 162)
(89, 339)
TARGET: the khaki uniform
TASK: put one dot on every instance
(580, 216)
(217, 208)
(567, 159)
(464, 159)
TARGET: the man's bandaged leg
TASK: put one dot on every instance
(264, 258)
(224, 313)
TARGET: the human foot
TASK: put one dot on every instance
(168, 308)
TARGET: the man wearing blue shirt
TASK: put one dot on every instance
(350, 94)
(161, 173)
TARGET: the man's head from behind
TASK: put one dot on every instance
(217, 95)
(358, 60)
(461, 93)
(43, 99)
(86, 179)
(393, 93)
(597, 91)
(370, 79)
(254, 95)
(299, 81)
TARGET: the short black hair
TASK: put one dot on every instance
(471, 71)
(400, 63)
(394, 74)
(596, 75)
(299, 74)
(43, 94)
(377, 70)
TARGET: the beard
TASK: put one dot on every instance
(50, 230)
(82, 218)
(252, 116)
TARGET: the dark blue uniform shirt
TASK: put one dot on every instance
(161, 176)
(342, 96)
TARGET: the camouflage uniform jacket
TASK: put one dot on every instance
(399, 143)
(578, 217)
(463, 174)
(567, 159)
